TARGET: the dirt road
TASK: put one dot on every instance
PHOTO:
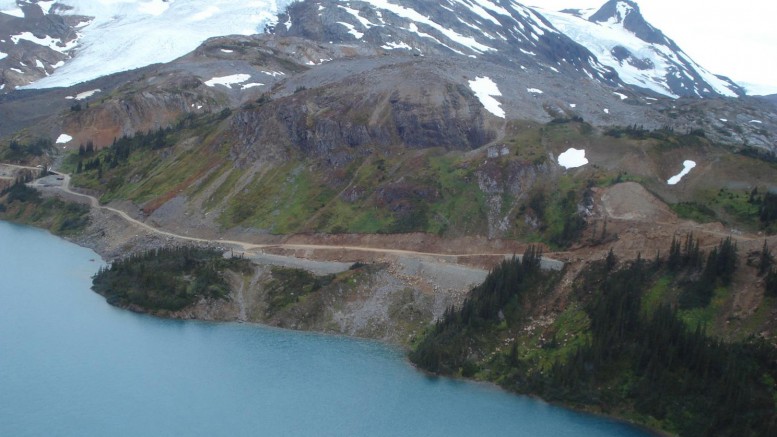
(61, 182)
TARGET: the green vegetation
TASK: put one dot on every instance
(289, 286)
(694, 211)
(22, 204)
(749, 209)
(555, 210)
(146, 168)
(20, 152)
(167, 279)
(666, 136)
(623, 345)
(514, 194)
(501, 298)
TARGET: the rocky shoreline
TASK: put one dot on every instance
(392, 299)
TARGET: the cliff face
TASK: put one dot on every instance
(348, 119)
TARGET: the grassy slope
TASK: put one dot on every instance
(398, 190)
(26, 206)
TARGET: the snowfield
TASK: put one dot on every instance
(84, 95)
(64, 139)
(572, 158)
(146, 32)
(688, 166)
(9, 7)
(485, 90)
(228, 81)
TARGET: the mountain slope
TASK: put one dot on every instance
(503, 32)
(641, 54)
(46, 44)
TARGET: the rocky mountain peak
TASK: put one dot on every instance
(643, 56)
(627, 13)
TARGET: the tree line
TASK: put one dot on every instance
(645, 362)
(169, 278)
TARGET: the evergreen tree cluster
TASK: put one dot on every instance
(19, 151)
(166, 279)
(444, 349)
(768, 210)
(664, 134)
(767, 270)
(19, 191)
(694, 384)
(646, 363)
(121, 149)
(704, 273)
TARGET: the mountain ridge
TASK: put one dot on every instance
(498, 30)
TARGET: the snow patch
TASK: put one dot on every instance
(572, 158)
(52, 43)
(64, 139)
(227, 51)
(39, 64)
(534, 90)
(3, 55)
(274, 73)
(228, 81)
(756, 121)
(84, 95)
(352, 29)
(687, 167)
(622, 96)
(251, 85)
(416, 17)
(485, 90)
(364, 22)
(16, 12)
(396, 45)
(573, 105)
(606, 111)
(45, 6)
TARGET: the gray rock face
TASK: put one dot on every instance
(507, 33)
(368, 110)
(34, 45)
(627, 12)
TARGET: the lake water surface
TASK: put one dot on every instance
(71, 365)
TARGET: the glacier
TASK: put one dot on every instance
(129, 34)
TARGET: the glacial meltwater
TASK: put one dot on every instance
(71, 365)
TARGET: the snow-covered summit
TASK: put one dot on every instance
(643, 56)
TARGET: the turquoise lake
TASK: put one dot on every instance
(72, 365)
